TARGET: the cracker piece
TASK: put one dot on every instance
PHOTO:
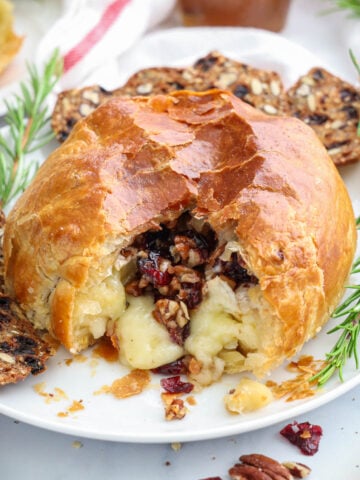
(263, 89)
(72, 105)
(2, 225)
(331, 107)
(260, 88)
(22, 350)
(154, 81)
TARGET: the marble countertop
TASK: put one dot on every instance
(30, 452)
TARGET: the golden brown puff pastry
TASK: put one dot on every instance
(251, 273)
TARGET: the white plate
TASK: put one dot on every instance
(141, 418)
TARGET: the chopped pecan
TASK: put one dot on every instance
(165, 310)
(195, 366)
(298, 470)
(174, 407)
(172, 315)
(186, 274)
(191, 248)
(133, 288)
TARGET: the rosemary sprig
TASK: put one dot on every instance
(347, 344)
(351, 6)
(28, 128)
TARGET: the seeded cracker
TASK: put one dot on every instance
(331, 107)
(2, 224)
(260, 88)
(72, 105)
(22, 352)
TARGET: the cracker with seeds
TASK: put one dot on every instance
(22, 351)
(331, 107)
(260, 88)
(263, 89)
(72, 105)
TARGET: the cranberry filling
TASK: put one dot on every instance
(171, 265)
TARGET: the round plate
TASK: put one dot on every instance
(141, 418)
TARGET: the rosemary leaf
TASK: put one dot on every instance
(352, 7)
(27, 119)
(347, 344)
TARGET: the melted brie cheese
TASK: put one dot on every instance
(99, 304)
(143, 342)
(215, 325)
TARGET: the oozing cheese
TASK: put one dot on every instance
(224, 321)
(215, 323)
(99, 304)
(143, 342)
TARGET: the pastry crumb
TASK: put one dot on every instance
(56, 396)
(132, 384)
(77, 444)
(176, 446)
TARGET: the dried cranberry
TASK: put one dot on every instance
(158, 242)
(336, 144)
(35, 364)
(5, 347)
(173, 368)
(199, 239)
(175, 385)
(179, 334)
(304, 435)
(347, 95)
(191, 294)
(176, 335)
(316, 119)
(235, 271)
(177, 86)
(351, 112)
(205, 63)
(318, 75)
(149, 268)
(241, 91)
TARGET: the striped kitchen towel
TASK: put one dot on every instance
(91, 34)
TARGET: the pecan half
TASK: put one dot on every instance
(268, 465)
(240, 471)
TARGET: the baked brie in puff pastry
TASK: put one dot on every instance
(187, 225)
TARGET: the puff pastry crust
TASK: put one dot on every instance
(135, 163)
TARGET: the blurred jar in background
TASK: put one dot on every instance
(267, 14)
